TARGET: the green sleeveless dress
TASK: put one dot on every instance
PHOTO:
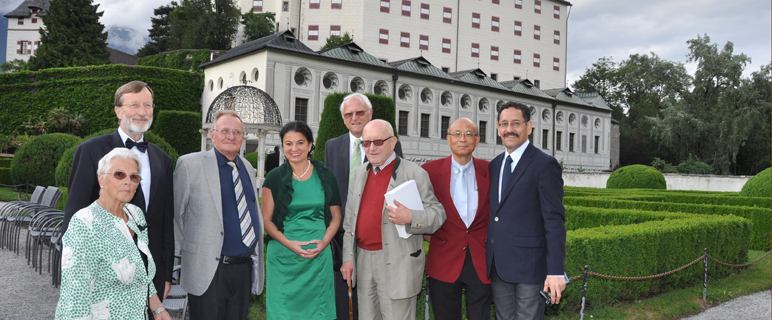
(299, 288)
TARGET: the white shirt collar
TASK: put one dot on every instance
(124, 136)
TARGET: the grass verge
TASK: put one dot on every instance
(684, 302)
(8, 194)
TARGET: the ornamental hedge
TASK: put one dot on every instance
(34, 161)
(180, 129)
(181, 59)
(64, 166)
(759, 186)
(636, 176)
(331, 124)
(90, 91)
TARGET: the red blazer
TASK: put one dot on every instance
(447, 249)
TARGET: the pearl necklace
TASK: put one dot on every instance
(304, 173)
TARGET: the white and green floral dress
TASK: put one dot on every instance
(103, 276)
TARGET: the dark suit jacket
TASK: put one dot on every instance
(336, 158)
(83, 189)
(526, 232)
(447, 249)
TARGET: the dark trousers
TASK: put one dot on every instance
(516, 301)
(341, 297)
(446, 297)
(227, 296)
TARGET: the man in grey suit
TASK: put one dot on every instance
(219, 226)
(389, 268)
(343, 154)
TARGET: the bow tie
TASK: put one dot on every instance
(141, 146)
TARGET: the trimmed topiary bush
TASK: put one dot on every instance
(5, 176)
(64, 166)
(36, 160)
(636, 176)
(6, 162)
(252, 158)
(759, 186)
(332, 124)
(180, 129)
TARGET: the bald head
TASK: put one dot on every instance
(463, 139)
(374, 132)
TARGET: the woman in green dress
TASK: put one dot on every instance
(301, 210)
(107, 269)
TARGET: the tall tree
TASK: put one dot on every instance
(716, 117)
(159, 32)
(203, 24)
(334, 41)
(257, 26)
(73, 36)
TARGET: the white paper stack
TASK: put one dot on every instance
(408, 195)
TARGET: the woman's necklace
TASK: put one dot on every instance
(304, 173)
(103, 207)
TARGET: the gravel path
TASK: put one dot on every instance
(757, 306)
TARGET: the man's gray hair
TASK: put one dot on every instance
(117, 153)
(359, 96)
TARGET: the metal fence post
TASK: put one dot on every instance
(705, 282)
(584, 291)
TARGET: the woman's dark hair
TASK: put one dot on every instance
(301, 127)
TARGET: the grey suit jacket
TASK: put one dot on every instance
(405, 257)
(198, 223)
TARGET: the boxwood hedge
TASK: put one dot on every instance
(35, 160)
(180, 129)
(636, 176)
(759, 186)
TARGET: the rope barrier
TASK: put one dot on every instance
(739, 265)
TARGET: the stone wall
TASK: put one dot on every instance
(674, 181)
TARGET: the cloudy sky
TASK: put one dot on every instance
(597, 28)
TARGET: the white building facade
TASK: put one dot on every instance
(24, 24)
(427, 99)
(519, 39)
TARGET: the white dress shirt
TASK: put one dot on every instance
(144, 172)
(471, 187)
(351, 140)
(515, 159)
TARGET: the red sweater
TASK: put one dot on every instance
(370, 216)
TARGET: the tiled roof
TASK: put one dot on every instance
(419, 65)
(594, 99)
(23, 10)
(283, 40)
(352, 52)
(525, 86)
(565, 94)
(477, 76)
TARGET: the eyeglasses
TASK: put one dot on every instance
(377, 143)
(225, 133)
(359, 114)
(136, 106)
(514, 124)
(120, 175)
(459, 134)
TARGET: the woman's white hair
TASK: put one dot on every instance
(117, 153)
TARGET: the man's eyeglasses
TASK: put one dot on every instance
(120, 175)
(359, 114)
(459, 134)
(136, 106)
(225, 133)
(377, 143)
(514, 124)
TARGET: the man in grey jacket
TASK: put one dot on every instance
(218, 223)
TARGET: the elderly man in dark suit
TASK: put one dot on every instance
(456, 259)
(134, 109)
(343, 155)
(526, 232)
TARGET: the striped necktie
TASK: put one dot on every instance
(245, 221)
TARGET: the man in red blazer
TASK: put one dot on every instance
(456, 257)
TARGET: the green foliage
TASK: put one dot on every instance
(159, 32)
(252, 158)
(760, 235)
(187, 60)
(759, 186)
(200, 24)
(180, 129)
(73, 36)
(334, 41)
(34, 162)
(636, 176)
(663, 166)
(257, 26)
(63, 199)
(64, 166)
(90, 91)
(14, 65)
(332, 124)
(5, 176)
(6, 162)
(694, 166)
(62, 121)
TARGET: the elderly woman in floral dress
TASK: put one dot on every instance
(107, 269)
